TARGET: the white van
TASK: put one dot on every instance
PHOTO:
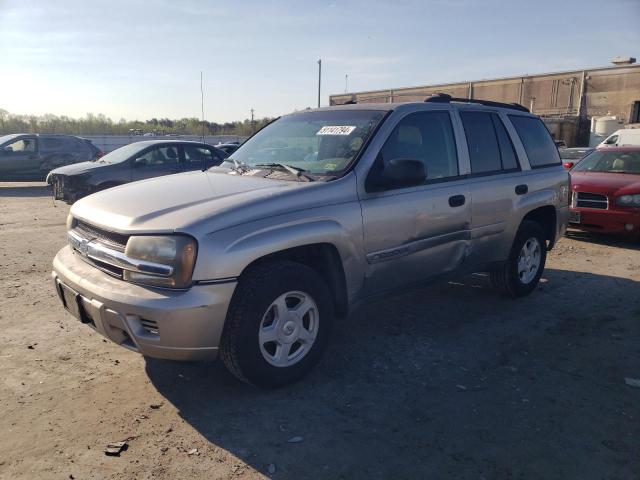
(627, 136)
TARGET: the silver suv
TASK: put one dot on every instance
(320, 210)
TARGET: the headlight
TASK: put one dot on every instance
(629, 200)
(175, 251)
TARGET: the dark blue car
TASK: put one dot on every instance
(130, 163)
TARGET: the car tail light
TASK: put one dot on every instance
(568, 165)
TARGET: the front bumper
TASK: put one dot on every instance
(174, 325)
(63, 189)
(607, 221)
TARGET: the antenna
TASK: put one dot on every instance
(202, 104)
(204, 156)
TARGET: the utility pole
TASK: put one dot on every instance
(253, 125)
(346, 82)
(319, 79)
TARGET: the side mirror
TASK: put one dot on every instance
(7, 149)
(399, 173)
(139, 162)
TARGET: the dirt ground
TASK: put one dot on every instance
(452, 381)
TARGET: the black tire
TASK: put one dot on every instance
(506, 279)
(257, 289)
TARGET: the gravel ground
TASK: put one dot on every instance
(451, 381)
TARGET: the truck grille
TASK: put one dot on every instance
(591, 200)
(112, 239)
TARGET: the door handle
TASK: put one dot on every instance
(522, 189)
(457, 201)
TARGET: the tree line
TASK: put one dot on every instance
(102, 125)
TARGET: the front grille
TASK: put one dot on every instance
(591, 200)
(112, 239)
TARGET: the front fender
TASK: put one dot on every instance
(226, 254)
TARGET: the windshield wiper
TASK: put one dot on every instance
(298, 172)
(239, 167)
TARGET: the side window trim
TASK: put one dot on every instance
(454, 129)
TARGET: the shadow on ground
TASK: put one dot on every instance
(630, 243)
(452, 381)
(21, 189)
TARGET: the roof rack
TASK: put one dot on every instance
(444, 98)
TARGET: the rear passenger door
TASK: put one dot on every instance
(414, 233)
(157, 161)
(496, 182)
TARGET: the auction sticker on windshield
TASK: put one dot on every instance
(336, 130)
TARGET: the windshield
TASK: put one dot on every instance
(123, 153)
(323, 142)
(611, 162)
(6, 138)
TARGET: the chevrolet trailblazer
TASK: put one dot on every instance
(254, 260)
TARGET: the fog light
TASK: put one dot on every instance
(628, 226)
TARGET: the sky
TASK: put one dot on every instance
(142, 59)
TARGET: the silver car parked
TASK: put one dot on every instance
(320, 210)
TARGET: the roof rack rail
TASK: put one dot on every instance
(444, 98)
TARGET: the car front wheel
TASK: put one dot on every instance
(278, 324)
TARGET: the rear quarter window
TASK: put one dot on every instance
(537, 141)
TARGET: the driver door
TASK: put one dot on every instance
(414, 233)
(19, 158)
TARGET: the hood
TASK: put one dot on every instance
(79, 168)
(605, 183)
(178, 202)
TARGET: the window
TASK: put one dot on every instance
(482, 142)
(490, 148)
(194, 154)
(159, 156)
(612, 140)
(322, 143)
(541, 150)
(424, 136)
(27, 145)
(507, 152)
(610, 162)
(635, 112)
(50, 145)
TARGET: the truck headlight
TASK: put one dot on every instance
(178, 252)
(629, 200)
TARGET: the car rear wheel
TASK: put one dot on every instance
(522, 271)
(278, 324)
